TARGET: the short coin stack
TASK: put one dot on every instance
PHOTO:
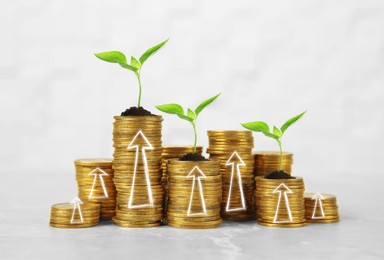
(280, 202)
(74, 214)
(268, 161)
(321, 208)
(234, 150)
(95, 184)
(194, 194)
(137, 170)
(172, 152)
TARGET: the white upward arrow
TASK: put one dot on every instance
(76, 207)
(136, 144)
(235, 160)
(318, 204)
(282, 189)
(98, 173)
(197, 175)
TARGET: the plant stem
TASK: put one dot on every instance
(140, 89)
(195, 143)
(281, 155)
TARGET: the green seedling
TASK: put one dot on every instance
(135, 64)
(191, 115)
(276, 134)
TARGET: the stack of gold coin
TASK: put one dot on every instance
(321, 208)
(95, 184)
(75, 214)
(137, 170)
(234, 150)
(280, 202)
(173, 152)
(194, 194)
(268, 161)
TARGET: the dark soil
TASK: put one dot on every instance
(278, 175)
(136, 111)
(193, 157)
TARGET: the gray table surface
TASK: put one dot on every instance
(25, 234)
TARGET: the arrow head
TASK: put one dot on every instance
(235, 159)
(76, 201)
(98, 171)
(196, 173)
(282, 188)
(317, 196)
(140, 141)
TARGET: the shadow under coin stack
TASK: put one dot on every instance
(137, 171)
(321, 208)
(75, 214)
(194, 194)
(234, 150)
(94, 178)
(172, 152)
(268, 161)
(280, 202)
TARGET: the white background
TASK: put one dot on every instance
(270, 59)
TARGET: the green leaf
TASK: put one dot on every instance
(191, 114)
(271, 135)
(175, 109)
(291, 121)
(126, 66)
(257, 126)
(276, 131)
(112, 56)
(205, 103)
(186, 118)
(135, 63)
(151, 51)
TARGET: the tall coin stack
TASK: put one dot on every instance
(137, 170)
(280, 202)
(172, 152)
(75, 214)
(268, 161)
(234, 150)
(321, 208)
(94, 178)
(194, 194)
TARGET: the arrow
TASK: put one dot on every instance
(282, 189)
(318, 204)
(235, 160)
(76, 207)
(197, 175)
(98, 173)
(136, 143)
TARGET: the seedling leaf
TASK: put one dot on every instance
(257, 126)
(126, 66)
(175, 109)
(135, 63)
(151, 51)
(291, 121)
(276, 131)
(191, 114)
(205, 103)
(112, 56)
(186, 118)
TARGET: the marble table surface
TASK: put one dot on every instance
(25, 234)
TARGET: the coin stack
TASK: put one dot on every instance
(194, 194)
(321, 208)
(268, 161)
(172, 152)
(137, 170)
(75, 214)
(234, 150)
(95, 184)
(280, 202)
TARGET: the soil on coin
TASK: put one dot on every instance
(137, 111)
(278, 175)
(193, 157)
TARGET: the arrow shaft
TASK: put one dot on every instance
(278, 208)
(201, 194)
(318, 204)
(239, 181)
